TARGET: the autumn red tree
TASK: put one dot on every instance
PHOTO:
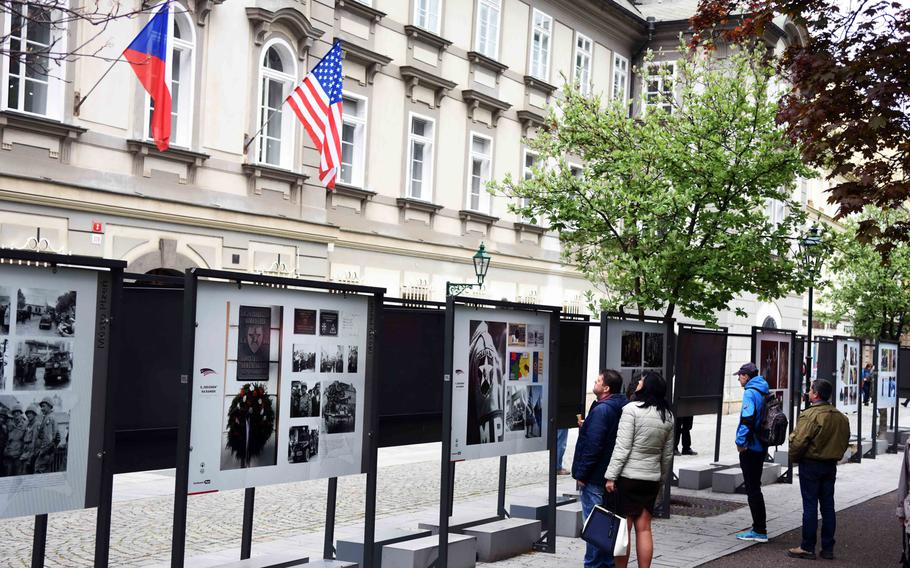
(849, 102)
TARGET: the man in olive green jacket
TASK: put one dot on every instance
(819, 441)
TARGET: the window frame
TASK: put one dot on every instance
(526, 173)
(358, 175)
(186, 96)
(288, 120)
(426, 182)
(437, 25)
(661, 91)
(492, 38)
(55, 94)
(484, 201)
(624, 73)
(585, 86)
(545, 63)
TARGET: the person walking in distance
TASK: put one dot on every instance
(642, 461)
(596, 438)
(751, 451)
(819, 441)
(684, 432)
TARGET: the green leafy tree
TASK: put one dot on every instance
(872, 292)
(669, 211)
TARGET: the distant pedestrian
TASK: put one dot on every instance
(819, 441)
(562, 440)
(641, 461)
(751, 451)
(684, 432)
(867, 377)
(596, 438)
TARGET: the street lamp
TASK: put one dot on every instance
(811, 257)
(481, 265)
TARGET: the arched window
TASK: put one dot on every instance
(182, 74)
(278, 73)
(769, 323)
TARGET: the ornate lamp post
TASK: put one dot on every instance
(811, 258)
(481, 265)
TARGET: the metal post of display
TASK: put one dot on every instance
(181, 478)
(501, 497)
(106, 455)
(446, 457)
(328, 547)
(372, 388)
(892, 449)
(604, 319)
(662, 510)
(873, 451)
(720, 412)
(246, 537)
(39, 541)
(552, 409)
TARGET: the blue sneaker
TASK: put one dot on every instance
(752, 535)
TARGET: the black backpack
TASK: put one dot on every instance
(771, 423)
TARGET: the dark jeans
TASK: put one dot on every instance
(593, 494)
(562, 439)
(684, 430)
(816, 483)
(752, 463)
(867, 387)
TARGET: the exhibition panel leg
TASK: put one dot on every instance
(246, 538)
(376, 315)
(501, 500)
(328, 549)
(551, 432)
(39, 541)
(446, 465)
(720, 412)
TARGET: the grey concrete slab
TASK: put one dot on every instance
(569, 520)
(528, 508)
(698, 476)
(268, 561)
(351, 548)
(457, 522)
(422, 552)
(504, 539)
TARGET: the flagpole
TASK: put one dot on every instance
(95, 86)
(261, 128)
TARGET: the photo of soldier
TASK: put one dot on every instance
(332, 360)
(486, 389)
(48, 313)
(4, 362)
(33, 441)
(304, 359)
(27, 457)
(4, 314)
(305, 400)
(15, 433)
(42, 364)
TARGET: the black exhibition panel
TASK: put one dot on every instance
(701, 356)
(573, 380)
(903, 372)
(410, 375)
(145, 401)
(827, 360)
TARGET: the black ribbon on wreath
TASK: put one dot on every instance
(251, 421)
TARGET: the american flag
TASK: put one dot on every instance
(317, 103)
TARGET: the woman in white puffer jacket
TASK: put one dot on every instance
(641, 461)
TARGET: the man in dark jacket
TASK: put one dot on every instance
(819, 441)
(596, 438)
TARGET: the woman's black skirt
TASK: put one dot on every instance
(636, 495)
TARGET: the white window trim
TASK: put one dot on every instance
(484, 203)
(358, 176)
(427, 185)
(186, 104)
(585, 86)
(437, 25)
(494, 52)
(647, 76)
(545, 76)
(56, 78)
(289, 122)
(527, 172)
(625, 76)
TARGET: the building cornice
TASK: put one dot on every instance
(360, 9)
(373, 61)
(475, 99)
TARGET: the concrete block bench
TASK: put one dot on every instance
(422, 552)
(504, 539)
(351, 549)
(698, 476)
(457, 523)
(729, 480)
(569, 520)
(534, 509)
(321, 563)
(269, 561)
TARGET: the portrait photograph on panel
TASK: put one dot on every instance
(352, 359)
(305, 399)
(768, 366)
(253, 343)
(654, 350)
(339, 407)
(630, 349)
(486, 368)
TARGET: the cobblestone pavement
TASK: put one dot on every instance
(293, 515)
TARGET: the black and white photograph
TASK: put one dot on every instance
(328, 322)
(535, 335)
(630, 349)
(46, 313)
(516, 407)
(36, 427)
(518, 333)
(303, 444)
(332, 359)
(304, 322)
(534, 418)
(4, 313)
(486, 373)
(253, 342)
(5, 356)
(654, 350)
(305, 399)
(339, 407)
(42, 364)
(352, 358)
(304, 358)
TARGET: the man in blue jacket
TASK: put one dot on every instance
(751, 451)
(596, 438)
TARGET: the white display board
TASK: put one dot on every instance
(278, 386)
(847, 365)
(635, 348)
(501, 382)
(774, 356)
(49, 347)
(887, 374)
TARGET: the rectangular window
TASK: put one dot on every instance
(353, 140)
(481, 165)
(527, 165)
(181, 93)
(426, 14)
(584, 51)
(33, 82)
(659, 86)
(620, 77)
(272, 99)
(420, 158)
(487, 40)
(541, 30)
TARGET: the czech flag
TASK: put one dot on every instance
(148, 56)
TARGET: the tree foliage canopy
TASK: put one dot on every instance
(872, 293)
(669, 209)
(849, 102)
